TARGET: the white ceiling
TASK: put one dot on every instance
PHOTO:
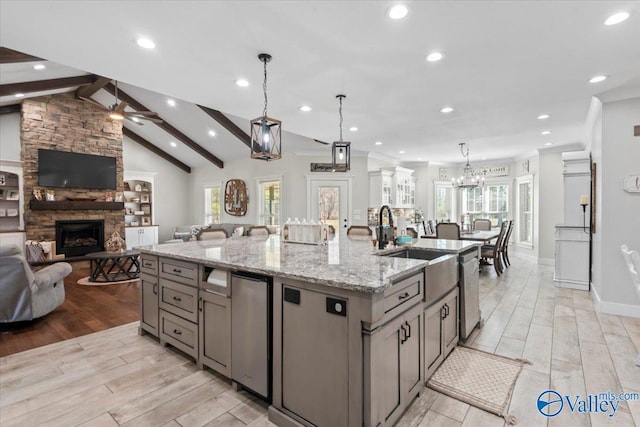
(505, 63)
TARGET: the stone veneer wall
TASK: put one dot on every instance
(62, 122)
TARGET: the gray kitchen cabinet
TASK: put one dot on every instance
(214, 322)
(148, 295)
(396, 365)
(148, 304)
(440, 331)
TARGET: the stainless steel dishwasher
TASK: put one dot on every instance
(251, 320)
(469, 293)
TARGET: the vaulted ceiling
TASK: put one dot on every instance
(505, 63)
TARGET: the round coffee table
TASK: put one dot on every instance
(114, 266)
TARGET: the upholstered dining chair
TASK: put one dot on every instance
(448, 230)
(632, 258)
(359, 230)
(27, 295)
(212, 234)
(494, 251)
(482, 224)
(258, 230)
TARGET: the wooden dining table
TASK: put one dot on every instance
(477, 235)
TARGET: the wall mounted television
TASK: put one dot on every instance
(75, 170)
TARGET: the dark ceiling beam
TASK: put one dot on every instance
(636, 130)
(44, 85)
(8, 109)
(122, 96)
(226, 123)
(10, 56)
(87, 91)
(151, 147)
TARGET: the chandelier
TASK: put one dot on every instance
(467, 179)
(340, 151)
(266, 138)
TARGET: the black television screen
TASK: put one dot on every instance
(75, 170)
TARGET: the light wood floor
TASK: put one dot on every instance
(116, 377)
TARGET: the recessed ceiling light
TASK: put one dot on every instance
(173, 144)
(597, 79)
(548, 144)
(446, 110)
(171, 102)
(543, 117)
(546, 132)
(484, 158)
(305, 108)
(616, 18)
(378, 142)
(419, 158)
(401, 151)
(435, 57)
(19, 95)
(242, 83)
(39, 67)
(398, 11)
(353, 128)
(146, 43)
(212, 133)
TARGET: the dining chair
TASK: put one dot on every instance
(482, 224)
(493, 251)
(505, 245)
(212, 234)
(359, 230)
(258, 230)
(632, 258)
(448, 230)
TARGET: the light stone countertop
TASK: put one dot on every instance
(343, 263)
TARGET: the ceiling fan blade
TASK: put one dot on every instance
(120, 108)
(321, 142)
(151, 119)
(141, 113)
(138, 122)
(96, 103)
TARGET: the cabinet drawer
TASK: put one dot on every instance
(149, 264)
(180, 333)
(179, 299)
(179, 271)
(403, 294)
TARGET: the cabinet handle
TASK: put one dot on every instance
(404, 335)
(442, 312)
(155, 289)
(200, 304)
(146, 264)
(178, 299)
(403, 296)
(408, 330)
(446, 310)
(177, 332)
(177, 270)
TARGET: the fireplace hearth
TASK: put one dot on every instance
(81, 237)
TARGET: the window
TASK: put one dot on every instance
(525, 211)
(444, 201)
(490, 202)
(269, 193)
(212, 204)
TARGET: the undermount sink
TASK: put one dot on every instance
(441, 274)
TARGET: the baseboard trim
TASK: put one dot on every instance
(614, 307)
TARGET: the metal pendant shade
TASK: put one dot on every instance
(266, 132)
(468, 179)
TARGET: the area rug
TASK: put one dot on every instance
(85, 281)
(481, 379)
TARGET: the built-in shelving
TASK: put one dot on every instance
(137, 203)
(10, 201)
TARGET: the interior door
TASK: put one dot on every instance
(329, 201)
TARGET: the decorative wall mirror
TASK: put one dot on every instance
(235, 197)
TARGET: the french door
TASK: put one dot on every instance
(328, 200)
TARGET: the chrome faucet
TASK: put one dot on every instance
(383, 235)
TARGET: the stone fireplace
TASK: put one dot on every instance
(78, 238)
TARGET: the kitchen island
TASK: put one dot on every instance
(341, 337)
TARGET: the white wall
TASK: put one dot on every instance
(617, 212)
(10, 136)
(593, 142)
(292, 169)
(550, 196)
(172, 197)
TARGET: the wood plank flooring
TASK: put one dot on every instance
(86, 309)
(116, 377)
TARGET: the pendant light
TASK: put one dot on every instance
(468, 179)
(266, 137)
(340, 151)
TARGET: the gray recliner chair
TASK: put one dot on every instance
(25, 295)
